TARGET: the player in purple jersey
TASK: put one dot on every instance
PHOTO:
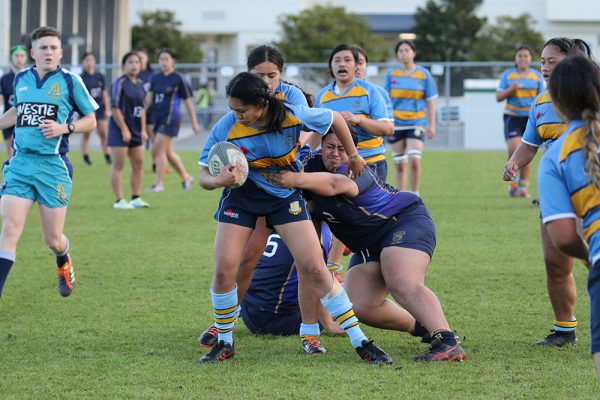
(95, 82)
(168, 88)
(544, 126)
(127, 131)
(393, 238)
(18, 59)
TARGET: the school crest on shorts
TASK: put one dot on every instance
(61, 195)
(295, 208)
(398, 237)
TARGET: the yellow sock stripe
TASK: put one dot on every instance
(224, 330)
(224, 321)
(225, 311)
(566, 324)
(351, 325)
(345, 316)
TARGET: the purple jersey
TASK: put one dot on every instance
(168, 92)
(95, 84)
(128, 97)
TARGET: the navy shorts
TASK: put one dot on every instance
(101, 113)
(264, 322)
(380, 168)
(514, 126)
(166, 125)
(244, 205)
(402, 134)
(8, 133)
(414, 229)
(594, 292)
(115, 139)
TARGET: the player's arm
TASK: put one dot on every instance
(522, 156)
(105, 98)
(117, 115)
(374, 127)
(229, 176)
(85, 124)
(356, 163)
(566, 236)
(149, 100)
(321, 183)
(501, 95)
(9, 118)
(430, 104)
(189, 105)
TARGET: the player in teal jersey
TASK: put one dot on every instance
(413, 92)
(18, 60)
(543, 128)
(46, 96)
(569, 176)
(519, 86)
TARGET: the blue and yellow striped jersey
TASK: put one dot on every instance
(361, 98)
(531, 86)
(290, 94)
(269, 152)
(543, 126)
(409, 93)
(57, 96)
(566, 191)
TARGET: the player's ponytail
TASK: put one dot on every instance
(575, 90)
(252, 90)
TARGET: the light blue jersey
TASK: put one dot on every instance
(269, 152)
(566, 191)
(543, 125)
(361, 98)
(56, 97)
(290, 94)
(409, 93)
(531, 85)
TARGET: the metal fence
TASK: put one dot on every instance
(311, 77)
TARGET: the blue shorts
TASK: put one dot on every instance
(167, 125)
(101, 113)
(380, 168)
(403, 133)
(414, 229)
(594, 292)
(263, 322)
(45, 178)
(115, 138)
(514, 126)
(244, 205)
(8, 132)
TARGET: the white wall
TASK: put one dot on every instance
(484, 129)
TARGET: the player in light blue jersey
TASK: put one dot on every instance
(361, 105)
(543, 128)
(46, 96)
(519, 86)
(18, 60)
(413, 92)
(569, 176)
(267, 62)
(268, 130)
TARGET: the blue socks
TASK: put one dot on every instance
(225, 306)
(6, 261)
(309, 329)
(340, 308)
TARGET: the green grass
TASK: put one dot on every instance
(130, 328)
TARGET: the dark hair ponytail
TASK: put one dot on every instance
(251, 90)
(570, 47)
(263, 54)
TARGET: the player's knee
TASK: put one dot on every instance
(399, 158)
(414, 154)
(54, 243)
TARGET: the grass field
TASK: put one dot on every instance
(130, 328)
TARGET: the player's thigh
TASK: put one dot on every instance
(365, 285)
(13, 211)
(398, 147)
(302, 240)
(52, 220)
(414, 144)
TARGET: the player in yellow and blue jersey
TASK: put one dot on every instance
(413, 92)
(18, 60)
(519, 86)
(95, 82)
(267, 130)
(267, 62)
(361, 105)
(168, 89)
(393, 238)
(46, 97)
(569, 176)
(543, 128)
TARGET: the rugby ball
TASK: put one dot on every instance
(223, 153)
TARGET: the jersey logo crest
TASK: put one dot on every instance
(54, 90)
(60, 193)
(398, 237)
(295, 208)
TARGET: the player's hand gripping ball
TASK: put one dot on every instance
(223, 154)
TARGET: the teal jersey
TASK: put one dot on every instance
(566, 191)
(532, 85)
(364, 99)
(57, 97)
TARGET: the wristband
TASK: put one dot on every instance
(353, 157)
(334, 267)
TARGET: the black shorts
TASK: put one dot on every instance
(402, 134)
(263, 322)
(514, 126)
(414, 229)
